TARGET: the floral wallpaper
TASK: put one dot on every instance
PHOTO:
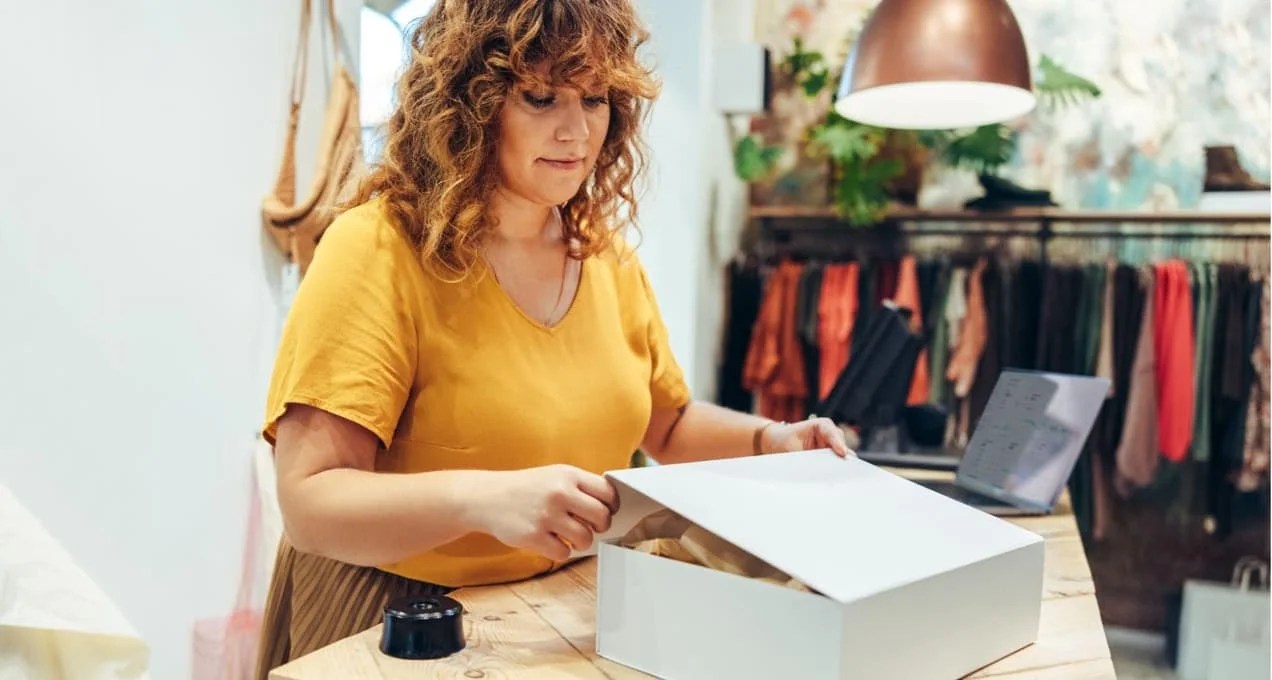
(1177, 75)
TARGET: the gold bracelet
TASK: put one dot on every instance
(759, 433)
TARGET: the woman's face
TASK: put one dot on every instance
(549, 140)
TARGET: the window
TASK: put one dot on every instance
(385, 27)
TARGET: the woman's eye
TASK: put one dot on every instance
(538, 102)
(594, 102)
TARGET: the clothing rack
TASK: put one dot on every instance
(1035, 313)
(779, 223)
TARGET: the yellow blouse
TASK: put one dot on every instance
(455, 375)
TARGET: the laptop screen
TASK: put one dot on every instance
(1030, 435)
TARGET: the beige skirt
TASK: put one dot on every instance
(314, 601)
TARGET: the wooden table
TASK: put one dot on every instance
(545, 628)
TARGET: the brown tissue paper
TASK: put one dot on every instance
(667, 534)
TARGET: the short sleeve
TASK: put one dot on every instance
(667, 381)
(349, 343)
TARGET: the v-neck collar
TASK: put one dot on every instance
(569, 311)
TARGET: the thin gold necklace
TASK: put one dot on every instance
(565, 272)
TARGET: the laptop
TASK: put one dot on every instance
(1026, 443)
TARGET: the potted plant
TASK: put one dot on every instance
(870, 167)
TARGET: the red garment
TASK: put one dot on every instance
(836, 314)
(885, 281)
(1173, 347)
(963, 362)
(774, 362)
(907, 297)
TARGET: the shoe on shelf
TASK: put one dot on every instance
(1224, 171)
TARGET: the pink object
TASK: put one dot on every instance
(226, 649)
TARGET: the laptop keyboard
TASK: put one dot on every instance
(958, 493)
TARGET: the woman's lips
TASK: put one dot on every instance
(563, 164)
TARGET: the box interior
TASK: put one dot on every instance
(665, 533)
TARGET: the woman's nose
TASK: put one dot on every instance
(572, 125)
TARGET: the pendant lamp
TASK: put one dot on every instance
(937, 64)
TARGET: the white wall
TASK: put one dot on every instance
(136, 290)
(674, 211)
(695, 207)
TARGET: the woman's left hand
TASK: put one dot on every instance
(815, 433)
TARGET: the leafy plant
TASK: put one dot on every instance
(753, 161)
(989, 147)
(984, 149)
(808, 69)
(860, 175)
(1058, 88)
(860, 169)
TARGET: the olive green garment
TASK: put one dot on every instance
(939, 350)
(1204, 353)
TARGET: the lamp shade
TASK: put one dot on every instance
(937, 64)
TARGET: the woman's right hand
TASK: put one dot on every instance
(548, 509)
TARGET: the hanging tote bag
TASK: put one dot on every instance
(297, 223)
(225, 648)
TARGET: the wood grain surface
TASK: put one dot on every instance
(545, 628)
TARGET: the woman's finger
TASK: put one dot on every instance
(832, 437)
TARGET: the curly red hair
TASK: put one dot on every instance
(439, 167)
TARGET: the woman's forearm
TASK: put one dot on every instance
(369, 519)
(706, 431)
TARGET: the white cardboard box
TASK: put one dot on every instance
(913, 585)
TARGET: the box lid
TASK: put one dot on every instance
(842, 526)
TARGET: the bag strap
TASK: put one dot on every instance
(1247, 568)
(301, 63)
(285, 189)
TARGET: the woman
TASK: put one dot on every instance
(476, 326)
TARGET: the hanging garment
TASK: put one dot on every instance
(1093, 276)
(1137, 453)
(1255, 461)
(1231, 376)
(1206, 304)
(774, 365)
(929, 281)
(1101, 448)
(1173, 350)
(1104, 351)
(743, 290)
(1081, 318)
(296, 225)
(993, 286)
(939, 346)
(806, 323)
(837, 311)
(934, 304)
(962, 369)
(956, 306)
(1229, 453)
(964, 358)
(1225, 391)
(907, 297)
(886, 276)
(1089, 291)
(1026, 316)
(866, 305)
(1128, 310)
(1058, 331)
